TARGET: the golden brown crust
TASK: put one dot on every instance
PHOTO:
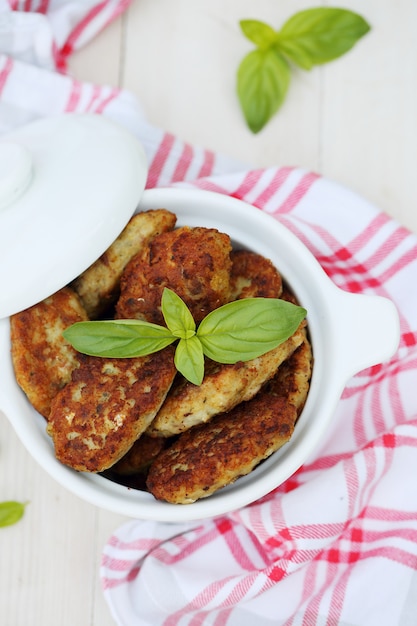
(108, 404)
(253, 276)
(211, 456)
(42, 359)
(292, 380)
(193, 262)
(99, 285)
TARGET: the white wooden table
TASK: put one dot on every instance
(353, 120)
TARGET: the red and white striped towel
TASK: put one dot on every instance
(336, 544)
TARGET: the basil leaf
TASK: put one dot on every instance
(245, 329)
(238, 331)
(261, 34)
(118, 338)
(263, 79)
(177, 315)
(319, 35)
(11, 512)
(189, 359)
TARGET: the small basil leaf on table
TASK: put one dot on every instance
(11, 512)
(261, 34)
(263, 79)
(310, 37)
(320, 35)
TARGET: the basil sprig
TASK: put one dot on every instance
(11, 512)
(310, 37)
(238, 331)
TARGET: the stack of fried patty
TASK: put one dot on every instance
(139, 416)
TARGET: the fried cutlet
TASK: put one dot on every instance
(292, 380)
(99, 285)
(193, 262)
(42, 359)
(253, 276)
(97, 417)
(210, 456)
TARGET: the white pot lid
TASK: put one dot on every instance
(68, 186)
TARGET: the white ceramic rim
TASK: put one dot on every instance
(332, 336)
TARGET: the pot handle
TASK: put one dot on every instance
(370, 330)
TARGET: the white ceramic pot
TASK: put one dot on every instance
(348, 333)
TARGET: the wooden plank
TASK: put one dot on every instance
(106, 524)
(49, 561)
(369, 127)
(46, 563)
